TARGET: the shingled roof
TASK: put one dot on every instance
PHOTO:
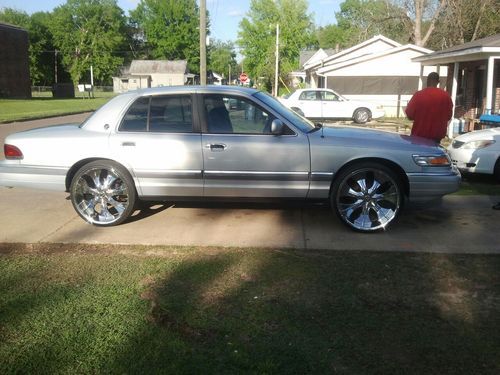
(140, 67)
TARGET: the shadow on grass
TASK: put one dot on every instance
(291, 312)
(479, 184)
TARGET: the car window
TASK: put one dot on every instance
(136, 118)
(329, 96)
(308, 95)
(170, 114)
(227, 114)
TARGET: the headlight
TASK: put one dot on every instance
(432, 160)
(477, 144)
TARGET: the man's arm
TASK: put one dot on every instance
(410, 109)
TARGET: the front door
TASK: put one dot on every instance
(310, 103)
(241, 156)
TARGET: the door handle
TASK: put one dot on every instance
(128, 143)
(216, 146)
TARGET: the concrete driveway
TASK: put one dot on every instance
(457, 224)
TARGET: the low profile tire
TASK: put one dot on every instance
(367, 197)
(298, 110)
(361, 115)
(496, 170)
(103, 193)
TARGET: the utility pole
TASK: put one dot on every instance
(55, 66)
(203, 42)
(229, 78)
(276, 72)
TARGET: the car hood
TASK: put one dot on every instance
(479, 135)
(369, 138)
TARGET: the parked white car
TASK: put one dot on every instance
(477, 152)
(326, 104)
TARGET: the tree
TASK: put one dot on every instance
(221, 56)
(257, 36)
(169, 29)
(89, 33)
(331, 36)
(41, 47)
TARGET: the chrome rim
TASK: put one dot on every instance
(362, 116)
(101, 196)
(368, 199)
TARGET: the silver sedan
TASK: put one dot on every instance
(183, 143)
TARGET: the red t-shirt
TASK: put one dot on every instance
(430, 109)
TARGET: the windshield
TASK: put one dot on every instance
(300, 122)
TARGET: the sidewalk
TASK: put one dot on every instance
(460, 224)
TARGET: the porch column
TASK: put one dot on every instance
(421, 78)
(489, 85)
(454, 88)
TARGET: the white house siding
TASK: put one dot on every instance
(390, 80)
(158, 79)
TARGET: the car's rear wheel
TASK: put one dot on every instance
(367, 197)
(103, 193)
(361, 115)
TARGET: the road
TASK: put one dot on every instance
(457, 224)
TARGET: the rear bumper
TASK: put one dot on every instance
(378, 113)
(427, 186)
(47, 178)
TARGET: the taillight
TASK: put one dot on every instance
(12, 152)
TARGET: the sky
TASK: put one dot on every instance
(225, 15)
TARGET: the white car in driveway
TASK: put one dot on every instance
(477, 152)
(326, 104)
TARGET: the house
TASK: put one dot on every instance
(152, 73)
(14, 62)
(378, 70)
(473, 78)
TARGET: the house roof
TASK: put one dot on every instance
(332, 57)
(158, 66)
(4, 25)
(475, 50)
(373, 56)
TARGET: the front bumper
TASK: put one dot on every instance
(428, 186)
(472, 160)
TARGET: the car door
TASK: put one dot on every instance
(159, 141)
(332, 106)
(310, 103)
(241, 156)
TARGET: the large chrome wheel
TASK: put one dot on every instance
(103, 193)
(367, 197)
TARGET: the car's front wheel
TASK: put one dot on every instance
(367, 197)
(361, 115)
(103, 193)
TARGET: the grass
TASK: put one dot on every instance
(40, 107)
(117, 309)
(478, 184)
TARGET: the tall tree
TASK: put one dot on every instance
(222, 57)
(257, 36)
(89, 33)
(169, 29)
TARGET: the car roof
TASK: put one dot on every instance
(209, 89)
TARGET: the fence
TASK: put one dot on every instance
(46, 91)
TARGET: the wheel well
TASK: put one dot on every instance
(72, 171)
(387, 163)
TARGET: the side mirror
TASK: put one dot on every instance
(277, 127)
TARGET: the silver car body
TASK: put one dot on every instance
(299, 164)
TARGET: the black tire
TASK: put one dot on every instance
(362, 115)
(298, 110)
(367, 196)
(103, 193)
(496, 170)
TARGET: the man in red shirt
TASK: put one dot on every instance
(430, 109)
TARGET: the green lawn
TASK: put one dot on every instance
(116, 309)
(39, 107)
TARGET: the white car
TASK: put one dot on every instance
(477, 152)
(326, 104)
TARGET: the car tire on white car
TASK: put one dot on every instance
(103, 193)
(367, 196)
(361, 115)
